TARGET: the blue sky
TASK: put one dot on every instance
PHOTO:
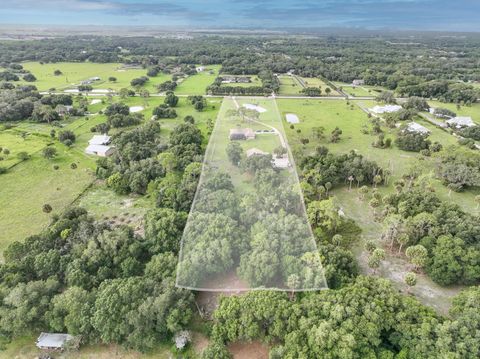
(450, 15)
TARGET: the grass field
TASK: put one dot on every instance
(289, 85)
(197, 84)
(73, 73)
(16, 141)
(316, 82)
(359, 91)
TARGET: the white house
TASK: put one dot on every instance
(99, 150)
(200, 69)
(417, 128)
(53, 341)
(99, 140)
(358, 82)
(459, 122)
(385, 109)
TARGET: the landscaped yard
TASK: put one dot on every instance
(197, 84)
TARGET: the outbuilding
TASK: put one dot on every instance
(99, 150)
(99, 140)
(417, 128)
(53, 341)
(385, 109)
(460, 122)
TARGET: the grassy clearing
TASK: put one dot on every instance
(16, 141)
(359, 91)
(289, 85)
(350, 120)
(31, 184)
(24, 348)
(73, 73)
(197, 84)
(316, 82)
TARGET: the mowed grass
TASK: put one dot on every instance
(289, 85)
(32, 183)
(350, 119)
(316, 82)
(359, 91)
(16, 141)
(73, 73)
(197, 84)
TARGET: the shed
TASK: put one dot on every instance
(358, 82)
(53, 341)
(460, 122)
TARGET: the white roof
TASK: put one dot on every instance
(282, 162)
(99, 140)
(461, 122)
(100, 150)
(386, 109)
(254, 107)
(292, 118)
(255, 151)
(53, 340)
(415, 127)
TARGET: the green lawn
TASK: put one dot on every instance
(316, 82)
(197, 84)
(17, 140)
(289, 85)
(73, 73)
(329, 114)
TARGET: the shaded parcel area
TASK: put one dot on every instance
(247, 228)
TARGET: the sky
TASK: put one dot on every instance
(443, 15)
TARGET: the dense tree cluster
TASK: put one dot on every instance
(416, 216)
(459, 169)
(89, 279)
(367, 318)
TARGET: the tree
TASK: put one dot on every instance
(57, 72)
(66, 135)
(163, 230)
(374, 260)
(418, 256)
(410, 280)
(46, 208)
(335, 136)
(170, 99)
(29, 78)
(112, 79)
(234, 152)
(49, 152)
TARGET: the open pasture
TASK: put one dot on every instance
(74, 73)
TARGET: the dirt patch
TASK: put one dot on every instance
(245, 350)
(199, 342)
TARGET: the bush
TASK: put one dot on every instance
(73, 166)
(23, 156)
(3, 170)
(67, 137)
